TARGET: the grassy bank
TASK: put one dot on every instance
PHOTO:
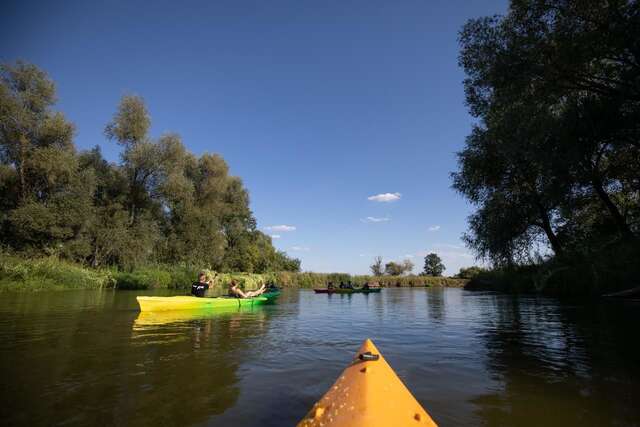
(18, 274)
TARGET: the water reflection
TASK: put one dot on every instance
(436, 304)
(85, 358)
(550, 364)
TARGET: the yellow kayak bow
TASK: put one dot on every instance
(367, 393)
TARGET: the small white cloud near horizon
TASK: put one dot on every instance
(280, 228)
(300, 248)
(385, 197)
(373, 219)
(434, 228)
(409, 256)
(275, 236)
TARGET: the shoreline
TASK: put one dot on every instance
(44, 274)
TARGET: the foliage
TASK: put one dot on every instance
(49, 273)
(398, 269)
(376, 267)
(159, 205)
(552, 162)
(470, 272)
(433, 265)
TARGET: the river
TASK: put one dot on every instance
(90, 358)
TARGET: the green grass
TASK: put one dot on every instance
(312, 280)
(18, 274)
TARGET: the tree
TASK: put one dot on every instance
(433, 265)
(554, 156)
(469, 272)
(407, 266)
(398, 269)
(159, 203)
(46, 196)
(393, 269)
(376, 267)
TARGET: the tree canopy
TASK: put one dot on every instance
(553, 160)
(158, 204)
(433, 265)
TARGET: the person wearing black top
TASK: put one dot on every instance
(199, 288)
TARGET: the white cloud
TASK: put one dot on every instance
(409, 256)
(300, 248)
(385, 197)
(434, 228)
(275, 236)
(280, 228)
(371, 219)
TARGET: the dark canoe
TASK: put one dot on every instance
(347, 291)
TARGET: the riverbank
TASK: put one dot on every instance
(21, 274)
(607, 272)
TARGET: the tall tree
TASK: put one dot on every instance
(377, 268)
(433, 265)
(52, 197)
(555, 87)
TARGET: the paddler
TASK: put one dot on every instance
(199, 288)
(235, 291)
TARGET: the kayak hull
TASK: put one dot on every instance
(367, 393)
(195, 303)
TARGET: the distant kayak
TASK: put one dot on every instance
(367, 393)
(346, 291)
(195, 303)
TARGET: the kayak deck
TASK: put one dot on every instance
(195, 303)
(367, 393)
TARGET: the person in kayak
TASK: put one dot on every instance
(199, 288)
(236, 292)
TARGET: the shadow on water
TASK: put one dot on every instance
(555, 366)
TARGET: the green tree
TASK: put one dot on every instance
(376, 267)
(46, 208)
(398, 268)
(554, 156)
(160, 203)
(393, 269)
(469, 272)
(433, 265)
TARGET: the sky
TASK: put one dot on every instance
(343, 118)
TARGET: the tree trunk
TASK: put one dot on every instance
(551, 235)
(617, 217)
(20, 167)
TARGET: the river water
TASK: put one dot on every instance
(90, 358)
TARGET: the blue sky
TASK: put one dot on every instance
(318, 106)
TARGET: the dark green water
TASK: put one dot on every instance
(87, 358)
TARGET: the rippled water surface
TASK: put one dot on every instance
(90, 358)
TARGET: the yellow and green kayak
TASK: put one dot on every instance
(367, 393)
(195, 303)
